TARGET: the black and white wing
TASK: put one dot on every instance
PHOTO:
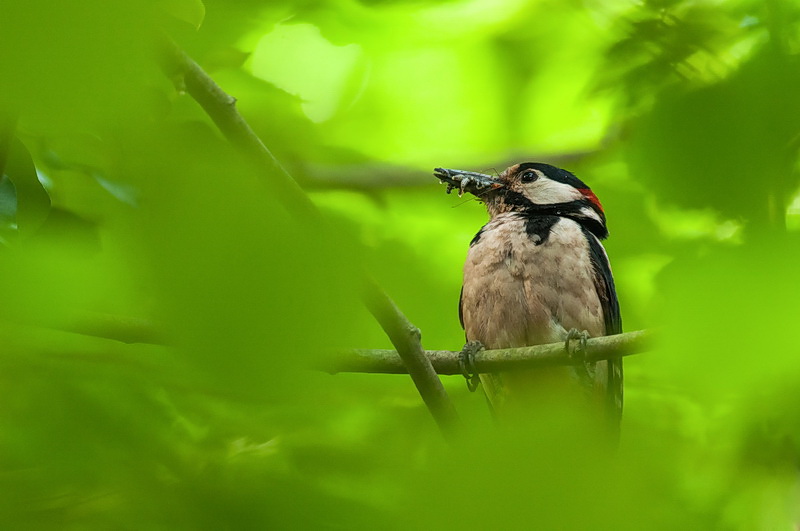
(607, 292)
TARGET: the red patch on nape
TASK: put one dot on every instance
(588, 194)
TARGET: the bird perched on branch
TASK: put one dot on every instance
(537, 273)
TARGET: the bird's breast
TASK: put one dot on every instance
(528, 282)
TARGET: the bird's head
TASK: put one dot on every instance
(531, 189)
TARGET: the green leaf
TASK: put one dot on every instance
(190, 11)
(32, 200)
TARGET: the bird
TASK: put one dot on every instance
(538, 273)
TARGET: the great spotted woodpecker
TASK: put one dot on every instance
(536, 273)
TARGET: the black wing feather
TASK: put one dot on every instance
(461, 306)
(604, 284)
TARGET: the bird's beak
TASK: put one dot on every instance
(467, 181)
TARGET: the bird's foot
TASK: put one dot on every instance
(466, 361)
(577, 353)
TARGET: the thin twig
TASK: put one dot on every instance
(510, 359)
(221, 107)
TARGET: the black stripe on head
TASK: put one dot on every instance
(553, 173)
(515, 199)
(571, 209)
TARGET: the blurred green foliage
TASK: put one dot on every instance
(124, 214)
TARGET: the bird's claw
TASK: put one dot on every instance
(466, 361)
(577, 354)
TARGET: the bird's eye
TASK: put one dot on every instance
(528, 177)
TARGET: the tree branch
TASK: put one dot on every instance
(510, 359)
(412, 358)
(221, 107)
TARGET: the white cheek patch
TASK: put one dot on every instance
(545, 191)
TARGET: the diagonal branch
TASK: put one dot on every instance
(221, 107)
(446, 361)
(406, 339)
